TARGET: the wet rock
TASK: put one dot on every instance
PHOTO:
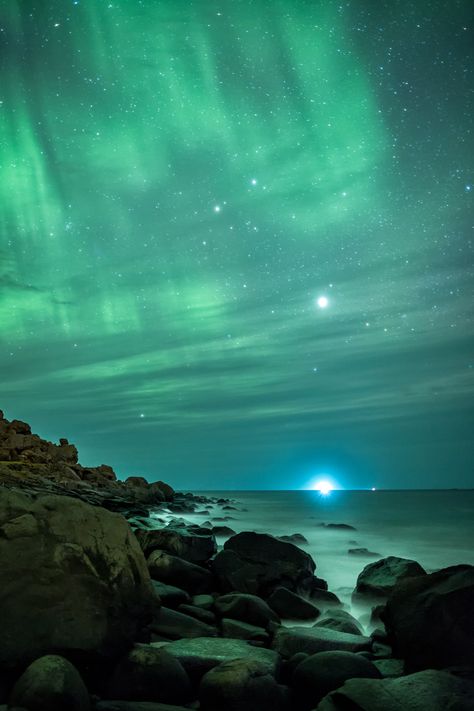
(296, 538)
(81, 566)
(321, 673)
(174, 571)
(378, 579)
(242, 685)
(338, 526)
(221, 531)
(430, 620)
(390, 668)
(257, 563)
(323, 599)
(170, 595)
(289, 605)
(291, 640)
(341, 621)
(203, 615)
(199, 655)
(150, 674)
(171, 624)
(428, 690)
(235, 629)
(206, 602)
(363, 553)
(247, 608)
(53, 683)
(189, 542)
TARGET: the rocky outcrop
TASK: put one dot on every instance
(73, 580)
(257, 563)
(378, 579)
(430, 620)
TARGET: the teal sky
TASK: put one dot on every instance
(181, 182)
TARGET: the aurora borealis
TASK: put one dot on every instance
(181, 182)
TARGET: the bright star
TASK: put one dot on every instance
(323, 302)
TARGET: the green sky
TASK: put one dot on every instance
(181, 181)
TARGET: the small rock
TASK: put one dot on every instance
(203, 615)
(170, 595)
(221, 531)
(363, 552)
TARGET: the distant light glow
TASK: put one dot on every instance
(323, 302)
(323, 486)
(373, 488)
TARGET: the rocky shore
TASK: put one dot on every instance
(111, 600)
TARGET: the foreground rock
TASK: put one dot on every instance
(291, 640)
(430, 619)
(242, 685)
(150, 674)
(198, 656)
(73, 579)
(321, 673)
(378, 579)
(257, 563)
(425, 691)
(50, 682)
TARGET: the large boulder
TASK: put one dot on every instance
(378, 579)
(257, 563)
(50, 682)
(150, 674)
(292, 640)
(425, 691)
(187, 541)
(175, 571)
(430, 619)
(73, 580)
(289, 605)
(323, 672)
(247, 608)
(242, 685)
(201, 654)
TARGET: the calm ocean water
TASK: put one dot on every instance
(436, 528)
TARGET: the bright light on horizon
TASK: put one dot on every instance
(324, 486)
(323, 302)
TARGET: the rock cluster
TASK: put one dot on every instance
(109, 612)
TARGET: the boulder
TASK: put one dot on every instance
(257, 563)
(341, 621)
(425, 691)
(199, 613)
(378, 579)
(206, 602)
(171, 624)
(53, 683)
(166, 489)
(199, 655)
(294, 538)
(170, 595)
(323, 672)
(363, 553)
(289, 605)
(323, 599)
(189, 542)
(150, 674)
(291, 640)
(222, 531)
(430, 620)
(242, 685)
(247, 608)
(390, 668)
(235, 629)
(178, 572)
(81, 566)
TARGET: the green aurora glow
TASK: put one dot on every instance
(179, 182)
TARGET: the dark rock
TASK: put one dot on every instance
(390, 668)
(257, 563)
(294, 538)
(189, 542)
(247, 608)
(289, 605)
(150, 674)
(174, 571)
(229, 508)
(291, 640)
(73, 579)
(53, 683)
(199, 655)
(170, 595)
(203, 615)
(170, 624)
(338, 526)
(430, 619)
(378, 579)
(426, 691)
(242, 685)
(341, 621)
(321, 673)
(206, 602)
(363, 553)
(235, 629)
(221, 531)
(323, 599)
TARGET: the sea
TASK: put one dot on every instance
(435, 528)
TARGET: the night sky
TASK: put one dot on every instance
(181, 182)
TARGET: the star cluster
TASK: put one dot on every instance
(236, 237)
